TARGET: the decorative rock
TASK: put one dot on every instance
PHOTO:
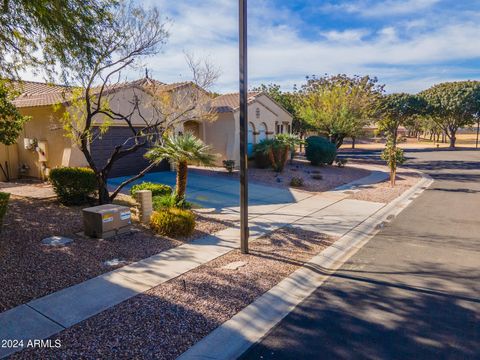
(234, 265)
(56, 241)
(114, 262)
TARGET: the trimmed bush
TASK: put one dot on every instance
(3, 206)
(170, 201)
(173, 222)
(156, 189)
(320, 150)
(73, 185)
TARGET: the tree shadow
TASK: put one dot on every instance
(365, 315)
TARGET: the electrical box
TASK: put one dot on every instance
(106, 220)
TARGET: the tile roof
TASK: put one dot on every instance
(42, 94)
(230, 102)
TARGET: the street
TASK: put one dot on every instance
(413, 292)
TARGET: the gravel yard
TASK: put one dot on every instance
(168, 319)
(383, 193)
(332, 176)
(29, 269)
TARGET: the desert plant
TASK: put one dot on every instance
(320, 150)
(169, 201)
(4, 197)
(173, 222)
(73, 185)
(394, 157)
(276, 150)
(182, 150)
(156, 189)
(229, 165)
(296, 181)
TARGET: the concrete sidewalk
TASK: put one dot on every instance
(329, 212)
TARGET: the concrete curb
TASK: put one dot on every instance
(231, 339)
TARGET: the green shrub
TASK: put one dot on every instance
(173, 222)
(73, 185)
(169, 201)
(320, 150)
(156, 189)
(296, 181)
(3, 206)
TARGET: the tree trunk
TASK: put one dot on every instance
(453, 139)
(103, 193)
(393, 174)
(353, 142)
(182, 171)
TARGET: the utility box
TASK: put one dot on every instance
(106, 220)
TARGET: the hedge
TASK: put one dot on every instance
(156, 189)
(4, 197)
(173, 222)
(73, 185)
(320, 150)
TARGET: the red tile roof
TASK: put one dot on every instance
(231, 102)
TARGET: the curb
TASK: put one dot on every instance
(231, 339)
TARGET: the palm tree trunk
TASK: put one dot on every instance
(181, 186)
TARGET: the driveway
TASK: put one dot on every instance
(412, 292)
(219, 192)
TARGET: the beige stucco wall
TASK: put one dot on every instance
(9, 154)
(44, 126)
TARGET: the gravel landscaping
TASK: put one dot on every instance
(382, 192)
(29, 269)
(331, 176)
(168, 319)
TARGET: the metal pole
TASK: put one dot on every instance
(243, 128)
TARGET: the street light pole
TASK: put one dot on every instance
(243, 128)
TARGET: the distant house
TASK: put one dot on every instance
(266, 119)
(43, 144)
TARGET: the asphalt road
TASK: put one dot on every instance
(413, 292)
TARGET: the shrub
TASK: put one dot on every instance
(3, 206)
(173, 222)
(296, 181)
(170, 201)
(73, 185)
(156, 189)
(320, 150)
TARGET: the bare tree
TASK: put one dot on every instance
(151, 107)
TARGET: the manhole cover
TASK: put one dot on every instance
(57, 241)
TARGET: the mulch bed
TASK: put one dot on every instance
(168, 319)
(29, 269)
(332, 176)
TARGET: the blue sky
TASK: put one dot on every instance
(408, 44)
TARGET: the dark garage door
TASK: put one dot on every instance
(131, 164)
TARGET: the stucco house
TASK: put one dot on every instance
(43, 144)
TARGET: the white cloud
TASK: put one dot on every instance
(382, 8)
(404, 55)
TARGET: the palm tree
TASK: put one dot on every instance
(182, 150)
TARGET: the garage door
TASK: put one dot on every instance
(102, 148)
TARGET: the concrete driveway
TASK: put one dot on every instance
(219, 192)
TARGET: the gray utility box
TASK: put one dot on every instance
(106, 220)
